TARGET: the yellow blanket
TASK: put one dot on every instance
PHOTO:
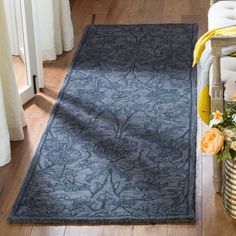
(204, 108)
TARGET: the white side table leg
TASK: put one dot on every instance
(217, 175)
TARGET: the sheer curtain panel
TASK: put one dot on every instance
(55, 26)
(11, 113)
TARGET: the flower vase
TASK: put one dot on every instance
(229, 188)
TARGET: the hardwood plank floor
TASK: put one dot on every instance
(211, 219)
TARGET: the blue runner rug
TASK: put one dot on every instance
(120, 146)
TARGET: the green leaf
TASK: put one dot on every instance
(219, 156)
(232, 153)
(226, 154)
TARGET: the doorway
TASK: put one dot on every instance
(26, 58)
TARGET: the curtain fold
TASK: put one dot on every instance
(11, 112)
(55, 26)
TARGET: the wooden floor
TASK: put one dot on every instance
(20, 72)
(211, 219)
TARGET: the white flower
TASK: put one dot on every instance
(216, 119)
(230, 133)
(233, 145)
(234, 117)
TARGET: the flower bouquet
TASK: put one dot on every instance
(220, 140)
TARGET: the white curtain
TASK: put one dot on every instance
(55, 26)
(11, 113)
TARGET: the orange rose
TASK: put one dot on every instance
(234, 97)
(212, 141)
(217, 115)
